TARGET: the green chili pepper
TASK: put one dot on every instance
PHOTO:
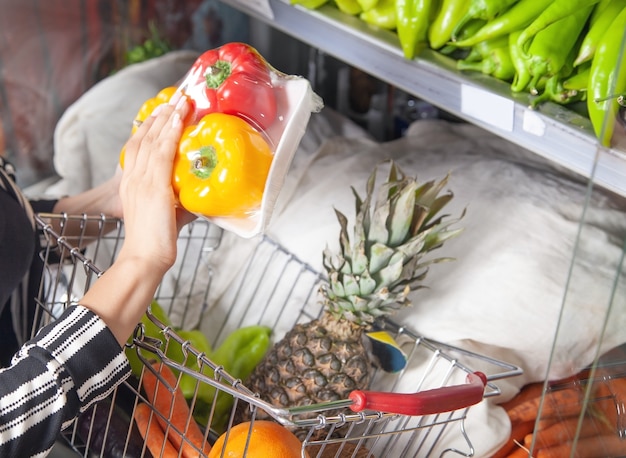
(517, 17)
(468, 30)
(382, 15)
(239, 354)
(480, 50)
(309, 4)
(242, 350)
(494, 58)
(599, 8)
(367, 4)
(412, 17)
(607, 80)
(522, 76)
(486, 10)
(557, 10)
(450, 13)
(555, 91)
(598, 25)
(579, 80)
(351, 7)
(551, 47)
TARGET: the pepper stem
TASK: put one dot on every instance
(204, 163)
(217, 73)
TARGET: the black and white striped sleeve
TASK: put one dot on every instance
(67, 366)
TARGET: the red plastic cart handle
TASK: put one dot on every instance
(427, 402)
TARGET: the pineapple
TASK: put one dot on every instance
(371, 277)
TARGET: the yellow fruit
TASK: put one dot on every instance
(267, 440)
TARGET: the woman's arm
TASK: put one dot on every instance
(101, 199)
(69, 364)
(152, 222)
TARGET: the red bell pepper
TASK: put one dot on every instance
(232, 79)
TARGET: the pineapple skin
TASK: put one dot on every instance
(319, 361)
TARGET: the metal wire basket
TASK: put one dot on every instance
(273, 288)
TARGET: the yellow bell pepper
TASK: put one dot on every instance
(221, 167)
(163, 96)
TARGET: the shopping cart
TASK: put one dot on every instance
(273, 288)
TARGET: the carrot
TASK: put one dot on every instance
(598, 446)
(557, 403)
(152, 434)
(174, 407)
(518, 432)
(528, 392)
(564, 431)
(519, 452)
(604, 404)
(617, 385)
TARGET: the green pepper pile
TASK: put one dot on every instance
(238, 355)
(562, 51)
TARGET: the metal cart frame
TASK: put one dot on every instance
(77, 250)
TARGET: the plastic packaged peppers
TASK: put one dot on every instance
(163, 96)
(246, 123)
(232, 79)
(221, 166)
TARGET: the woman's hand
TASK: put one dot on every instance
(152, 219)
(151, 223)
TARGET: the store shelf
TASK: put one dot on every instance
(557, 133)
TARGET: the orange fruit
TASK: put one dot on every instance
(267, 440)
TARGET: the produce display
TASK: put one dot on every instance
(396, 226)
(562, 51)
(245, 124)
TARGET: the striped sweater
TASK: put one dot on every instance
(66, 367)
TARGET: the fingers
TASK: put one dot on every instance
(157, 137)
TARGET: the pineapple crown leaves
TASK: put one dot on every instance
(374, 273)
